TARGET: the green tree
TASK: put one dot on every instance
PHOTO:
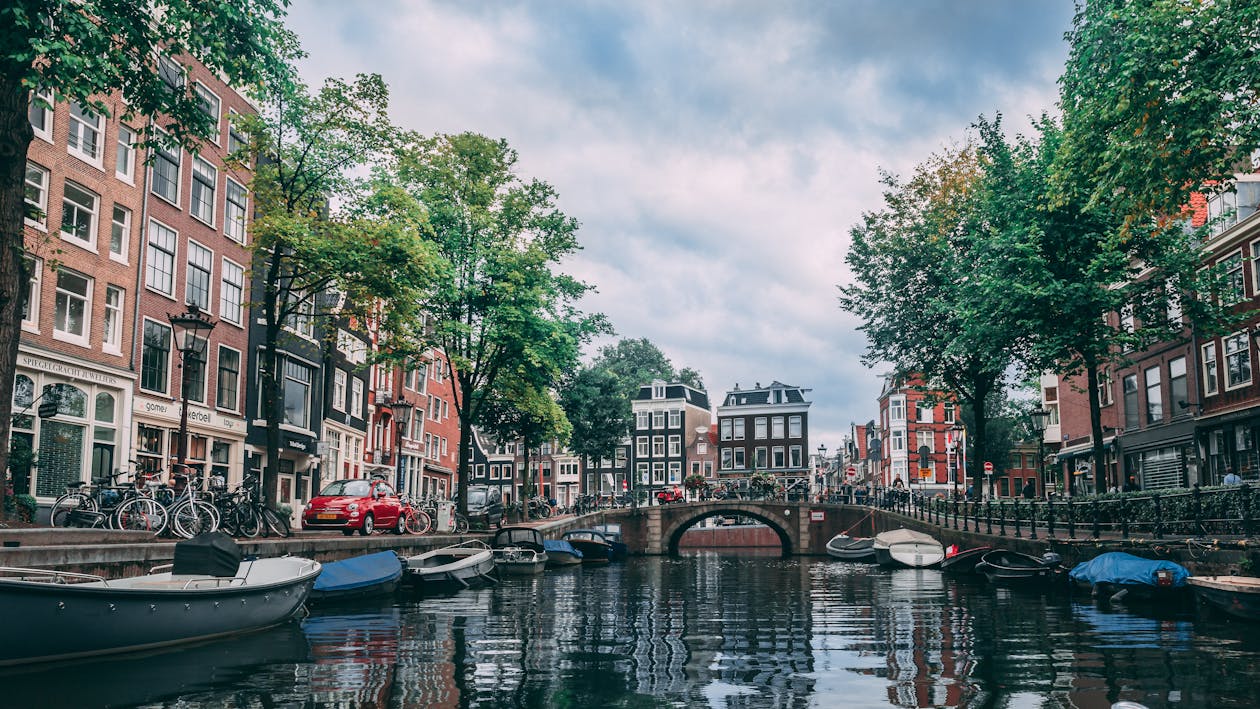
(320, 230)
(599, 413)
(634, 362)
(519, 411)
(1159, 97)
(503, 309)
(84, 50)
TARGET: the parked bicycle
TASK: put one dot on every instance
(414, 519)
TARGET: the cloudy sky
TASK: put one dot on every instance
(715, 153)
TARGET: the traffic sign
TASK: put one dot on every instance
(851, 471)
(925, 473)
(988, 468)
(48, 409)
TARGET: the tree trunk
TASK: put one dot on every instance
(979, 408)
(465, 442)
(15, 139)
(1095, 426)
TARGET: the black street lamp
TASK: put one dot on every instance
(402, 416)
(956, 431)
(822, 466)
(1040, 421)
(195, 327)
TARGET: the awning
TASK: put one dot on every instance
(1082, 450)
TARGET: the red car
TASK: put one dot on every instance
(349, 505)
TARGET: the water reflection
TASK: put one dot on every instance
(706, 630)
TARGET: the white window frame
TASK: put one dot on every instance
(675, 418)
(234, 135)
(796, 426)
(235, 227)
(778, 457)
(761, 428)
(83, 339)
(896, 408)
(925, 438)
(739, 428)
(778, 428)
(229, 269)
(159, 154)
(339, 390)
(795, 457)
(658, 419)
(1211, 370)
(1244, 352)
(642, 446)
(124, 227)
(198, 90)
(1234, 285)
(31, 322)
(642, 420)
(125, 150)
(204, 178)
(79, 128)
(897, 440)
(675, 445)
(42, 203)
(170, 354)
(112, 323)
(658, 446)
(94, 215)
(150, 247)
(356, 398)
(204, 262)
(45, 133)
(725, 428)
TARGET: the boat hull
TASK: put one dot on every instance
(964, 562)
(850, 549)
(468, 569)
(1235, 595)
(1012, 568)
(560, 559)
(592, 552)
(383, 588)
(59, 621)
(519, 562)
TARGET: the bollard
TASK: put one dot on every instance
(1032, 520)
(1050, 518)
(1002, 517)
(988, 517)
(1245, 491)
(955, 505)
(1018, 534)
(1198, 510)
(1159, 517)
(1097, 532)
(1071, 519)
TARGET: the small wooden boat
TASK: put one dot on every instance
(561, 553)
(358, 577)
(1119, 576)
(208, 592)
(849, 548)
(519, 551)
(593, 545)
(612, 533)
(906, 547)
(1005, 566)
(1238, 596)
(452, 568)
(963, 561)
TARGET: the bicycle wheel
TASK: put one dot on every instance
(419, 522)
(60, 515)
(189, 519)
(141, 514)
(246, 521)
(275, 522)
(461, 524)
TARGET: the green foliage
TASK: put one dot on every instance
(695, 481)
(599, 414)
(636, 362)
(24, 505)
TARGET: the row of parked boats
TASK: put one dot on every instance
(1114, 576)
(211, 591)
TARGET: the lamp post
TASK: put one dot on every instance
(822, 466)
(1040, 420)
(956, 440)
(192, 346)
(402, 416)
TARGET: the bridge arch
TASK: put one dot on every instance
(677, 520)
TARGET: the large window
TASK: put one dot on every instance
(761, 428)
(125, 154)
(675, 445)
(658, 419)
(74, 302)
(159, 267)
(297, 393)
(1132, 417)
(120, 232)
(197, 279)
(194, 369)
(642, 446)
(166, 173)
(1237, 361)
(925, 439)
(794, 427)
(155, 357)
(739, 429)
(897, 441)
(232, 292)
(1232, 290)
(78, 215)
(234, 212)
(724, 428)
(228, 391)
(1210, 374)
(41, 113)
(209, 105)
(776, 427)
(739, 458)
(1178, 392)
(1154, 396)
(36, 195)
(658, 446)
(339, 390)
(111, 336)
(204, 179)
(727, 458)
(777, 459)
(794, 457)
(356, 398)
(642, 420)
(896, 409)
(761, 457)
(84, 138)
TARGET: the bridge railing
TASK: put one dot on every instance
(1184, 512)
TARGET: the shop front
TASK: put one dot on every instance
(297, 478)
(1162, 457)
(1228, 441)
(69, 421)
(216, 441)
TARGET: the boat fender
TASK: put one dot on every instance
(1051, 559)
(1119, 596)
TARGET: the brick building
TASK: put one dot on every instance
(667, 418)
(764, 429)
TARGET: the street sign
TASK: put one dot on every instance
(988, 468)
(817, 516)
(851, 471)
(48, 409)
(925, 473)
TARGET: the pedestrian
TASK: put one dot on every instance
(1030, 489)
(1231, 478)
(971, 492)
(1130, 485)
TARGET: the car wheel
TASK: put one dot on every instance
(401, 526)
(369, 525)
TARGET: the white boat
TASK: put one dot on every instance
(519, 551)
(454, 567)
(55, 615)
(906, 547)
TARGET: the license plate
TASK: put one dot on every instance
(325, 516)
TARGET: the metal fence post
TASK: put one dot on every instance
(1071, 519)
(1124, 520)
(1245, 491)
(1198, 510)
(1018, 534)
(988, 517)
(1032, 520)
(1094, 507)
(1159, 516)
(1002, 517)
(954, 505)
(1050, 518)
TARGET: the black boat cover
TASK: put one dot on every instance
(207, 554)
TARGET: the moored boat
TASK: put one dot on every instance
(593, 545)
(452, 568)
(208, 592)
(906, 547)
(519, 551)
(612, 533)
(849, 548)
(1119, 576)
(561, 553)
(360, 576)
(963, 561)
(1006, 566)
(1238, 596)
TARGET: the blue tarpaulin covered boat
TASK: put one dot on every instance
(1114, 572)
(561, 553)
(358, 577)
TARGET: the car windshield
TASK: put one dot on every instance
(348, 488)
(476, 497)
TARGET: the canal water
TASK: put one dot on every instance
(703, 630)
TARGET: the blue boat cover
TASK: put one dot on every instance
(1118, 567)
(561, 546)
(359, 571)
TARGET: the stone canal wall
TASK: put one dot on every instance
(742, 536)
